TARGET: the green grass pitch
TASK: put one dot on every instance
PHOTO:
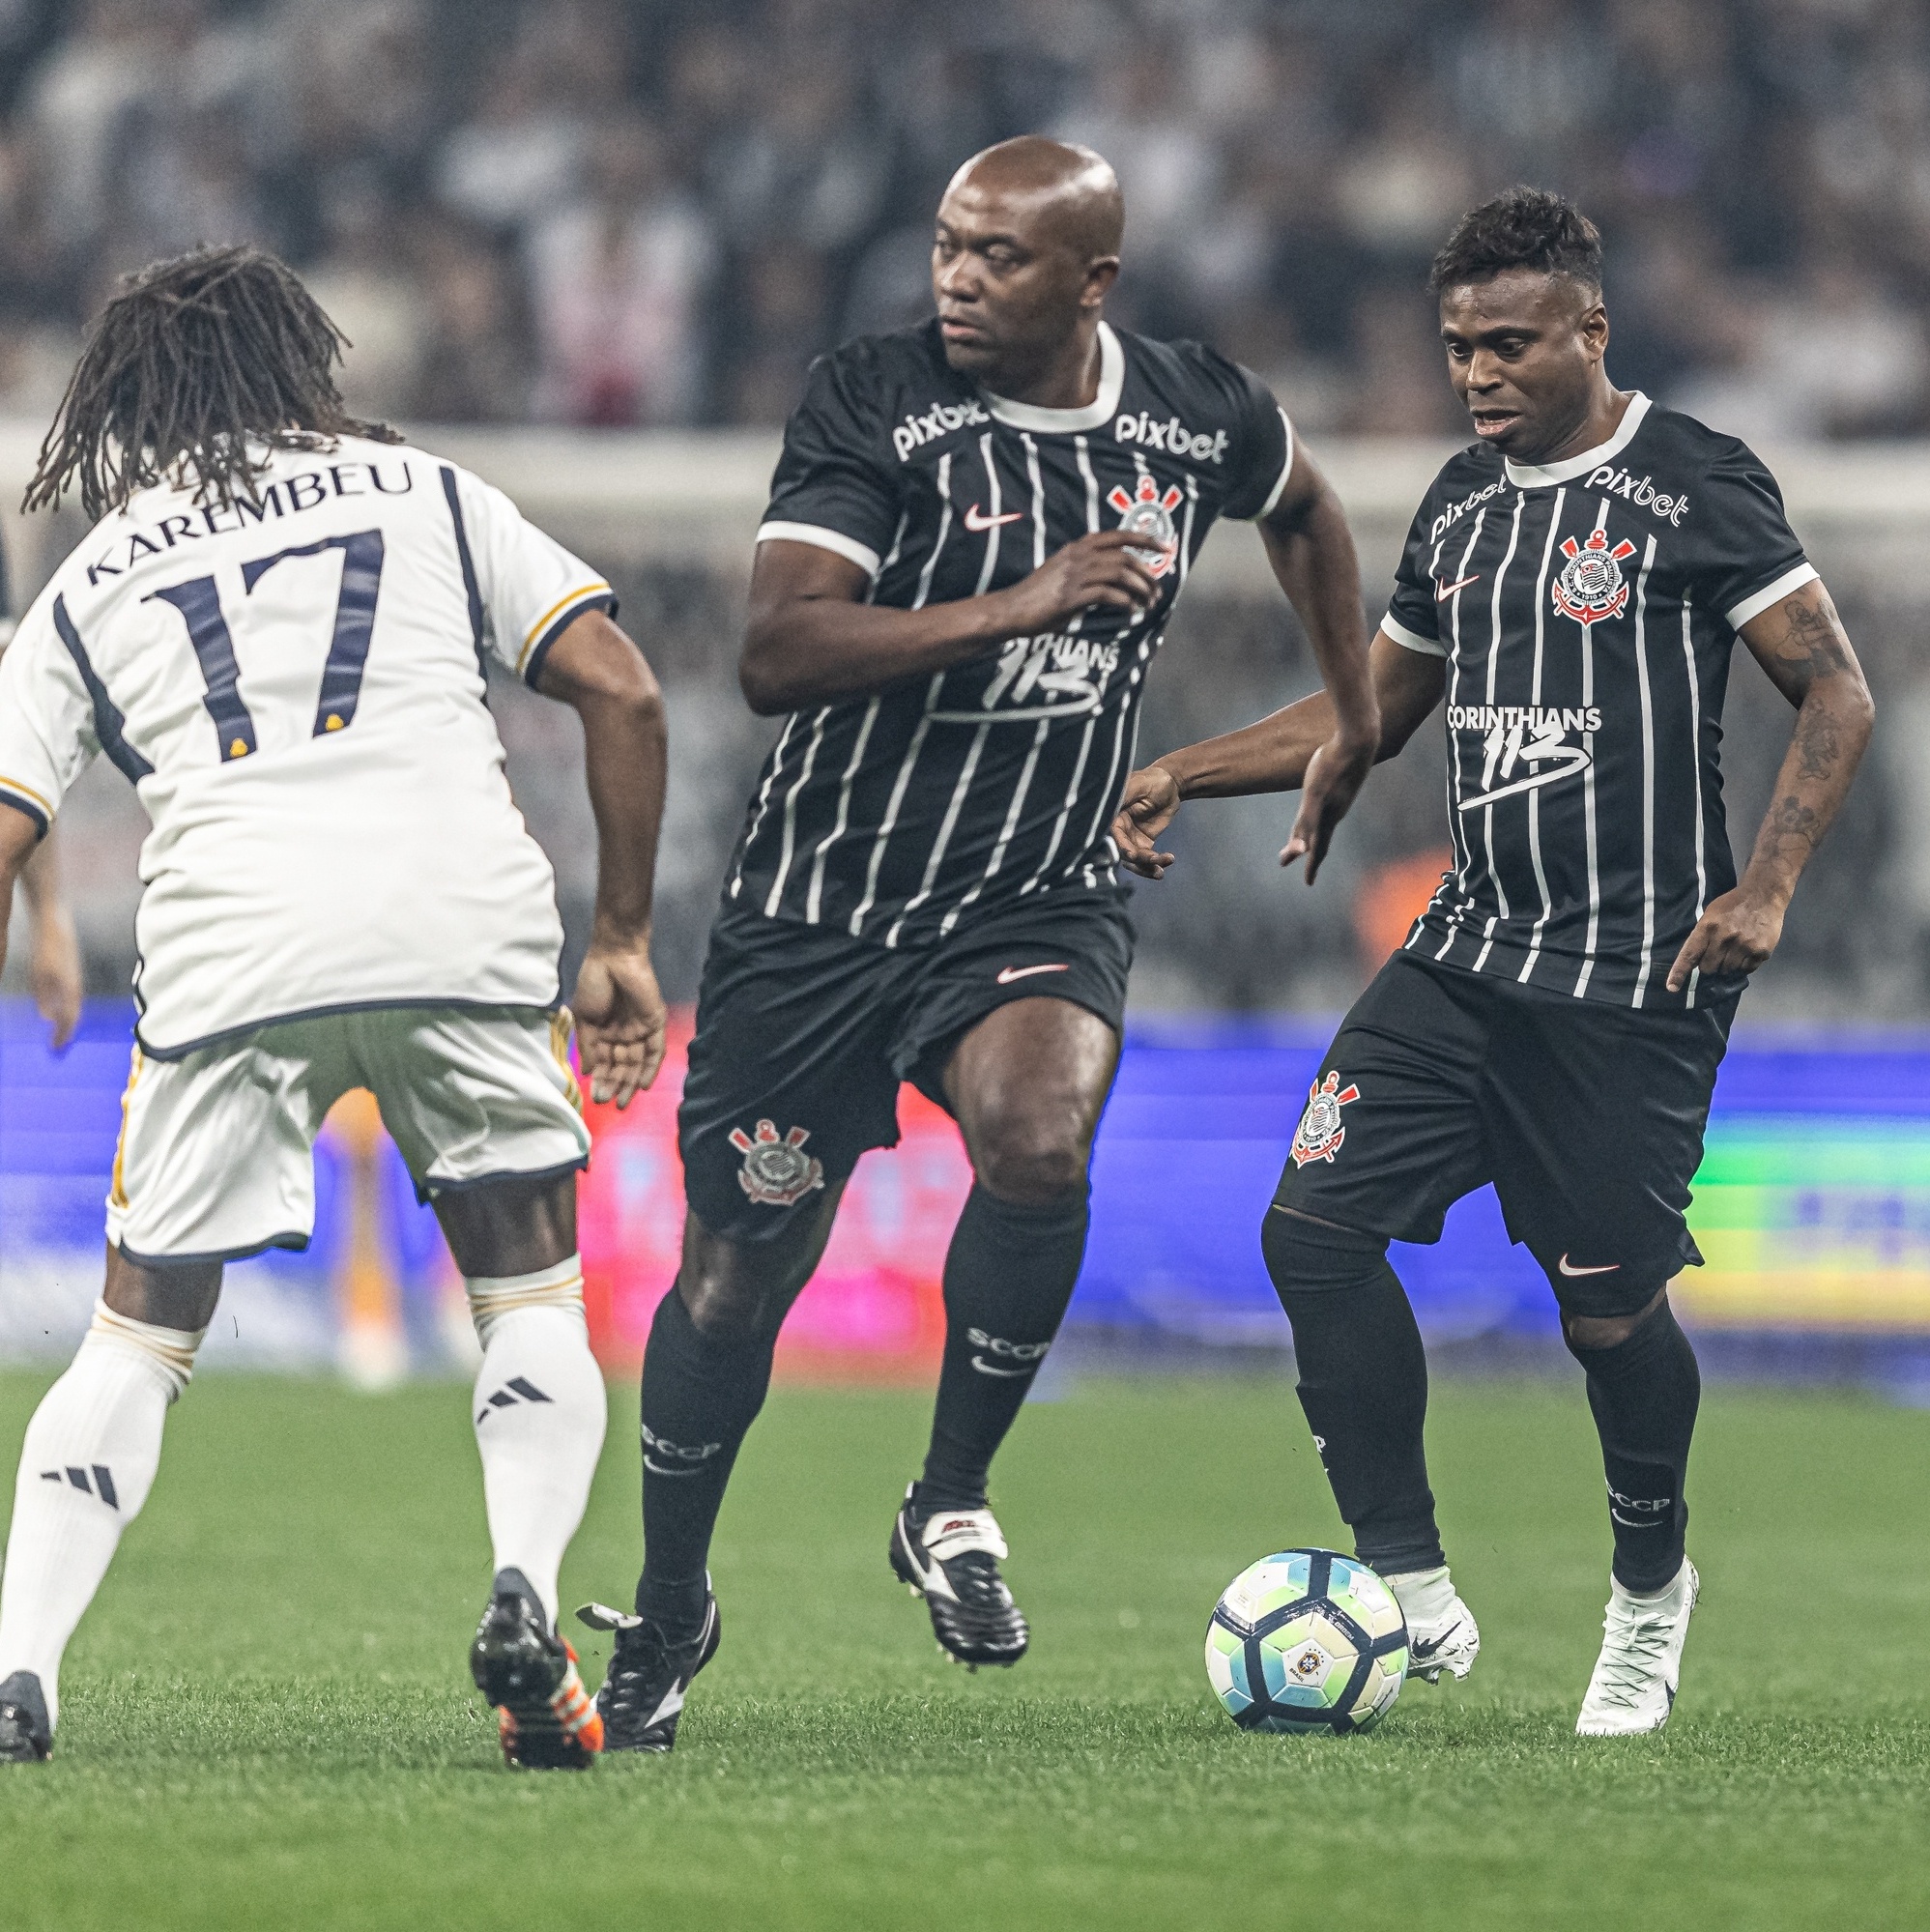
(268, 1722)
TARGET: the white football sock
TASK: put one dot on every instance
(86, 1466)
(539, 1414)
(1425, 1596)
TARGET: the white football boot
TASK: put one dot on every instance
(1633, 1689)
(1440, 1631)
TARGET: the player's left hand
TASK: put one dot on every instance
(619, 1021)
(55, 976)
(1335, 775)
(1146, 808)
(1736, 933)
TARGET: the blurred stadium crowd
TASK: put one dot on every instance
(656, 213)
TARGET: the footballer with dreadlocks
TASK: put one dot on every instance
(975, 535)
(1572, 587)
(279, 630)
(53, 947)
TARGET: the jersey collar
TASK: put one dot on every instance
(1526, 476)
(1099, 410)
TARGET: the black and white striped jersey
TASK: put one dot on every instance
(1587, 612)
(895, 817)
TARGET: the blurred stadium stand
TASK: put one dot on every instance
(597, 244)
(656, 213)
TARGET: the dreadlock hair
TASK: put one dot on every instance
(193, 361)
(1520, 228)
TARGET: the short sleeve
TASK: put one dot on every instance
(1411, 618)
(48, 725)
(525, 589)
(1262, 450)
(833, 486)
(1742, 554)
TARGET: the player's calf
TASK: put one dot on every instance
(539, 1409)
(89, 1459)
(1644, 1388)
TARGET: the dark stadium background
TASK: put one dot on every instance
(590, 249)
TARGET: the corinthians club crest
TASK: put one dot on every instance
(1149, 514)
(1319, 1134)
(777, 1171)
(1590, 586)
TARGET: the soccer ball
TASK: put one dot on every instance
(1307, 1641)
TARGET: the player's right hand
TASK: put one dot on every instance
(55, 975)
(1335, 775)
(1146, 809)
(1097, 571)
(619, 1021)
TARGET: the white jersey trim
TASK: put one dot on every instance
(1412, 640)
(1279, 489)
(24, 799)
(1754, 607)
(554, 621)
(1094, 415)
(1527, 476)
(846, 547)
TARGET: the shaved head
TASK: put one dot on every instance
(1028, 246)
(1071, 191)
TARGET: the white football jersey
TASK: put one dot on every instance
(296, 688)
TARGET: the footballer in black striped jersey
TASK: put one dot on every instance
(975, 536)
(1572, 594)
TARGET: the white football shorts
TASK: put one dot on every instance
(216, 1153)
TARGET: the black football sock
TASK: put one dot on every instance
(1363, 1384)
(1009, 1274)
(1645, 1393)
(699, 1397)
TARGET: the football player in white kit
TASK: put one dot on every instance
(53, 947)
(278, 630)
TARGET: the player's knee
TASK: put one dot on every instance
(1304, 1256)
(1590, 1334)
(1030, 1160)
(728, 1312)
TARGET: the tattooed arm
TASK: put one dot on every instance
(1800, 644)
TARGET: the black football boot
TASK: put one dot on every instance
(649, 1675)
(25, 1735)
(544, 1716)
(950, 1558)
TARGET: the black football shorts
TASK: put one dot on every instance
(1587, 1119)
(803, 1035)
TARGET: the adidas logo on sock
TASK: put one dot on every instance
(518, 1388)
(103, 1484)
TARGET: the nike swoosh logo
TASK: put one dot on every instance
(1443, 591)
(672, 1703)
(1007, 974)
(985, 1367)
(1569, 1269)
(976, 519)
